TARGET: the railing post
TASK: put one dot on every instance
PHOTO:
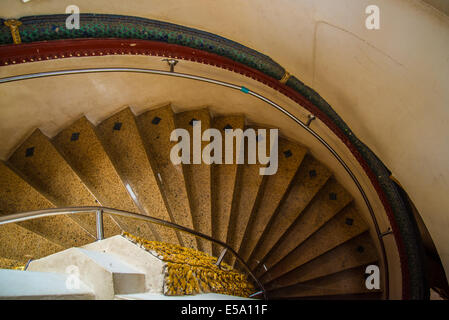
(99, 220)
(220, 258)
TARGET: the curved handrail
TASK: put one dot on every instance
(30, 215)
(245, 90)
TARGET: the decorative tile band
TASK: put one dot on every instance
(165, 39)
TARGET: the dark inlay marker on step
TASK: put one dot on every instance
(198, 176)
(117, 126)
(29, 152)
(343, 257)
(75, 136)
(93, 165)
(350, 281)
(50, 173)
(333, 233)
(315, 215)
(156, 120)
(349, 221)
(127, 152)
(301, 192)
(171, 177)
(224, 177)
(312, 173)
(332, 196)
(17, 195)
(275, 188)
(288, 153)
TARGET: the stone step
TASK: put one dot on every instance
(26, 285)
(290, 156)
(224, 178)
(198, 176)
(20, 244)
(346, 225)
(122, 141)
(155, 127)
(39, 161)
(326, 204)
(83, 150)
(106, 274)
(309, 179)
(347, 282)
(17, 195)
(353, 253)
(140, 260)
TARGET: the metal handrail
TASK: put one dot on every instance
(30, 215)
(305, 126)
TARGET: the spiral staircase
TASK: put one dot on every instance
(298, 230)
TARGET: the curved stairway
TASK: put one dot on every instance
(298, 229)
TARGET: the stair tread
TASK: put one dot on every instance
(335, 232)
(326, 204)
(247, 197)
(6, 263)
(27, 284)
(20, 244)
(290, 156)
(83, 150)
(198, 177)
(16, 195)
(356, 252)
(124, 146)
(54, 178)
(309, 179)
(155, 127)
(109, 262)
(224, 177)
(350, 281)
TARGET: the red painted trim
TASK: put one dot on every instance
(58, 49)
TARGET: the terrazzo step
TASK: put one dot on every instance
(346, 225)
(198, 176)
(224, 177)
(6, 263)
(326, 204)
(122, 141)
(155, 127)
(39, 161)
(247, 196)
(16, 195)
(20, 244)
(81, 147)
(290, 156)
(26, 285)
(309, 179)
(356, 252)
(347, 282)
(104, 273)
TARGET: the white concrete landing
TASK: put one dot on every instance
(105, 273)
(15, 284)
(156, 296)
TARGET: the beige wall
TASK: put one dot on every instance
(391, 86)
